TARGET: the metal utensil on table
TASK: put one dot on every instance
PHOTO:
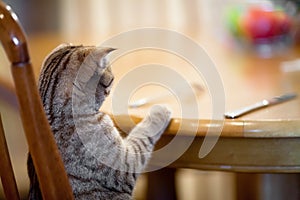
(149, 99)
(259, 105)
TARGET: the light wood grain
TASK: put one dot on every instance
(229, 128)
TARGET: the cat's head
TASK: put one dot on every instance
(71, 71)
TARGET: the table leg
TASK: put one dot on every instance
(268, 186)
(161, 185)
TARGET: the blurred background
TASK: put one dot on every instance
(250, 19)
(231, 24)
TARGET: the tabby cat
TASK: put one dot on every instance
(100, 163)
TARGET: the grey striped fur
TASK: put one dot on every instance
(101, 164)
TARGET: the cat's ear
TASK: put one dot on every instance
(94, 62)
(100, 56)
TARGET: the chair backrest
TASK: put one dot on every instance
(48, 164)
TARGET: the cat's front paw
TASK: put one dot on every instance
(160, 113)
(158, 119)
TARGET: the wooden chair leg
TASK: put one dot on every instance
(7, 175)
(268, 186)
(161, 184)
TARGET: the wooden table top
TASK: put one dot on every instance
(266, 140)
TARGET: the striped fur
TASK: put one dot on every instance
(100, 163)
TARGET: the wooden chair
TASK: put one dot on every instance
(49, 167)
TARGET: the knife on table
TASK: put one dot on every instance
(259, 105)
